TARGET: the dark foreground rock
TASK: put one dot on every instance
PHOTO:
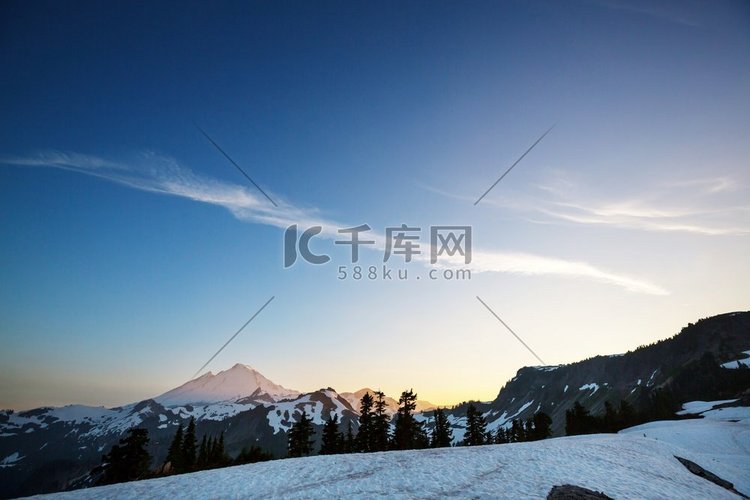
(706, 474)
(571, 492)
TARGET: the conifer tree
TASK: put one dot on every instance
(381, 423)
(442, 434)
(528, 430)
(626, 416)
(202, 460)
(542, 425)
(409, 434)
(332, 439)
(475, 427)
(350, 441)
(189, 446)
(421, 439)
(301, 437)
(128, 460)
(517, 434)
(609, 420)
(210, 451)
(366, 424)
(219, 456)
(501, 437)
(578, 420)
(174, 455)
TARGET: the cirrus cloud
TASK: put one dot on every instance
(164, 175)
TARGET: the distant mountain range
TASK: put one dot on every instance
(46, 449)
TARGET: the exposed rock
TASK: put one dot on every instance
(705, 474)
(571, 492)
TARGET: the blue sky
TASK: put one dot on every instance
(132, 249)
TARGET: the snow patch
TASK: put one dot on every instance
(10, 460)
(697, 407)
(593, 386)
(739, 362)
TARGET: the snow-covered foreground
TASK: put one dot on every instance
(636, 463)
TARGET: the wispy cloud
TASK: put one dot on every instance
(164, 175)
(710, 185)
(697, 206)
(526, 264)
(663, 208)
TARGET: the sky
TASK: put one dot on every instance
(132, 249)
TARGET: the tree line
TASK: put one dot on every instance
(374, 430)
(130, 460)
(535, 428)
(185, 455)
(578, 420)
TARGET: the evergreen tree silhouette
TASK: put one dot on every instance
(475, 427)
(409, 434)
(189, 446)
(578, 420)
(421, 439)
(381, 423)
(301, 437)
(203, 454)
(128, 460)
(366, 424)
(218, 456)
(489, 438)
(442, 434)
(626, 416)
(609, 419)
(542, 426)
(210, 452)
(528, 430)
(502, 437)
(332, 439)
(174, 455)
(517, 432)
(350, 441)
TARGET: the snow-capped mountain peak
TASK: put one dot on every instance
(240, 382)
